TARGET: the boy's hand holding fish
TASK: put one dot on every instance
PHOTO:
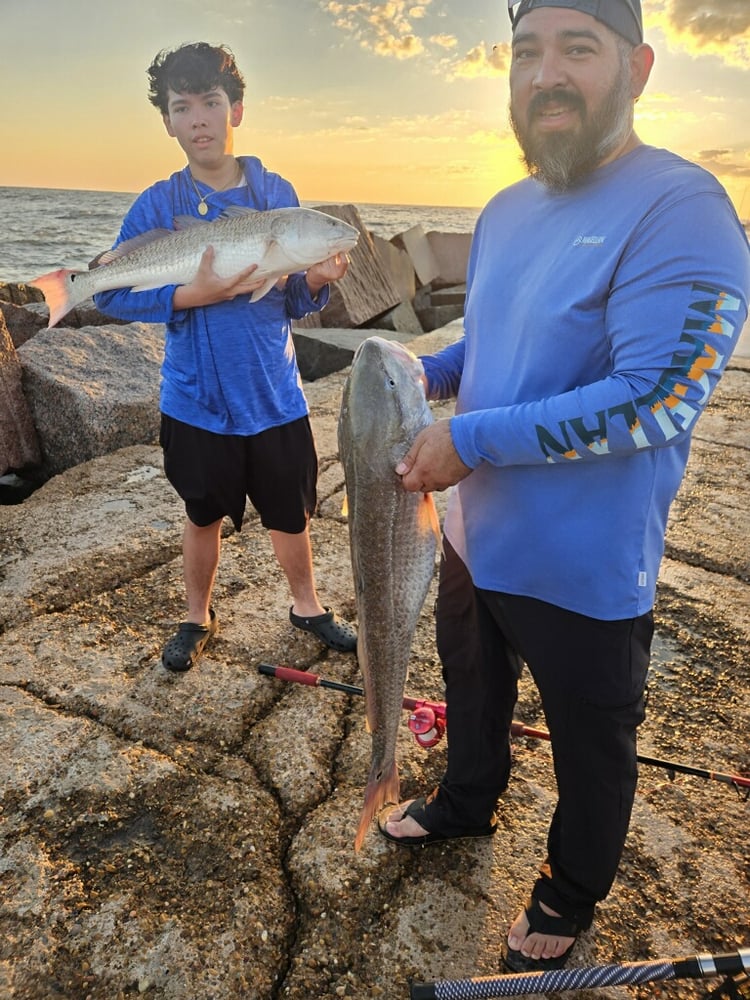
(332, 269)
(208, 287)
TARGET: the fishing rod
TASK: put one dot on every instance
(737, 780)
(427, 721)
(426, 718)
(620, 974)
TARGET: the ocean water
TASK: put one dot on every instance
(42, 229)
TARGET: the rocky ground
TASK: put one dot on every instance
(192, 836)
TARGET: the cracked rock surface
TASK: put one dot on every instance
(191, 836)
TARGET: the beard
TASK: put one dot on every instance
(560, 160)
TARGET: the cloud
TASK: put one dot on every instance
(388, 29)
(356, 122)
(724, 162)
(482, 60)
(444, 41)
(287, 103)
(403, 47)
(705, 27)
(659, 108)
(489, 137)
(385, 29)
(446, 128)
(712, 20)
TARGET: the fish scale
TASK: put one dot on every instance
(393, 540)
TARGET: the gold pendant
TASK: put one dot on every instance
(202, 208)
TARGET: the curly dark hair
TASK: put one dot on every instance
(194, 68)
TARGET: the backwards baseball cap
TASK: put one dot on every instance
(622, 16)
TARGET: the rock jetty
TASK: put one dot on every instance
(192, 836)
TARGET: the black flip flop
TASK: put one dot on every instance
(542, 923)
(416, 810)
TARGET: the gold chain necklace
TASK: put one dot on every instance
(202, 206)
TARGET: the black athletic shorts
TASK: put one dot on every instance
(214, 473)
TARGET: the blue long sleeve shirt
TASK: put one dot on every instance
(597, 324)
(230, 367)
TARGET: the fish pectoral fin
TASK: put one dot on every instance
(429, 516)
(345, 506)
(264, 289)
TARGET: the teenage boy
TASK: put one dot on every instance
(234, 418)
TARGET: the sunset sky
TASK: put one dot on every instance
(399, 102)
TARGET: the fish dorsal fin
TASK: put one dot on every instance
(188, 222)
(236, 211)
(128, 246)
(230, 212)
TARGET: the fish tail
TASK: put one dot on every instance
(382, 788)
(57, 289)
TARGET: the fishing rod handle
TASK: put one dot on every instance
(557, 980)
(305, 677)
(626, 973)
(315, 680)
(288, 674)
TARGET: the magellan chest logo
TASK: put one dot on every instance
(588, 241)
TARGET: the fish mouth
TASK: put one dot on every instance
(343, 245)
(380, 348)
(346, 239)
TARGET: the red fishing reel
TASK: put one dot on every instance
(427, 724)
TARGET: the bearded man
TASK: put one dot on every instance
(605, 294)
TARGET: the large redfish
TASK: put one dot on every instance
(393, 536)
(279, 241)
